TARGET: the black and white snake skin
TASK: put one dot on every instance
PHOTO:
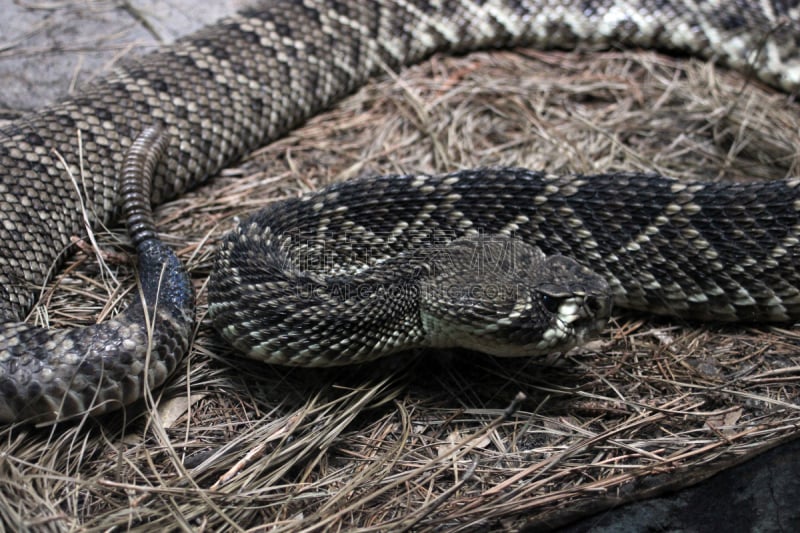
(250, 78)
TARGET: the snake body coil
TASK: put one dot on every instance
(682, 249)
(52, 374)
(250, 78)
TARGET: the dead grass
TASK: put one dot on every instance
(435, 440)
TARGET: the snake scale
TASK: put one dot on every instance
(248, 79)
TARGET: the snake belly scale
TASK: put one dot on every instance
(221, 92)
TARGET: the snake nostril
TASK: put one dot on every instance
(594, 304)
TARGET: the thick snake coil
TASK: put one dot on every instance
(724, 252)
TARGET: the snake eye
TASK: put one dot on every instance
(551, 303)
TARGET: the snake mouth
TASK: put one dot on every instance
(578, 319)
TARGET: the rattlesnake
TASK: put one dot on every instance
(248, 79)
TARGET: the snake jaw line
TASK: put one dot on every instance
(499, 295)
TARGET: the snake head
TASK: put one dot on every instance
(498, 295)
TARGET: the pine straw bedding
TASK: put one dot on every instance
(416, 441)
